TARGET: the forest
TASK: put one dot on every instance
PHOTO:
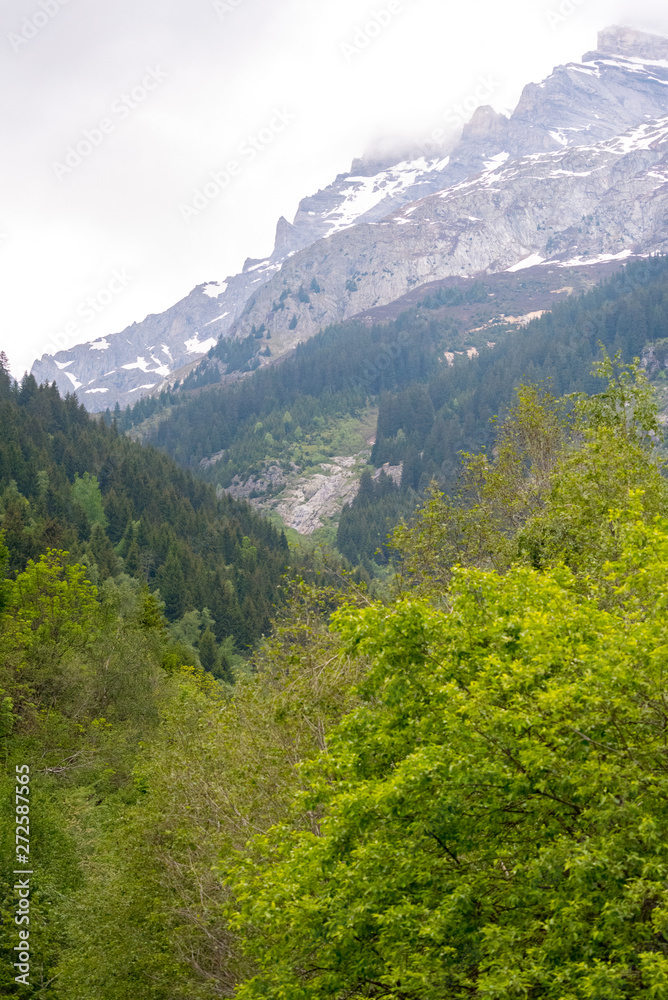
(453, 787)
(68, 482)
(430, 411)
(331, 375)
(427, 426)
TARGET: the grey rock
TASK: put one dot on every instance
(575, 204)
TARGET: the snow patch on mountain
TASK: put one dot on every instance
(602, 258)
(530, 261)
(362, 194)
(196, 346)
(215, 289)
(589, 136)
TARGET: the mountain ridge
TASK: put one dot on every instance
(316, 274)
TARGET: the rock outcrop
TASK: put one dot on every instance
(574, 206)
(145, 357)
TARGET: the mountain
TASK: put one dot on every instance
(404, 396)
(577, 173)
(125, 366)
(574, 141)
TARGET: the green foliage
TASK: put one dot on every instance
(4, 566)
(458, 792)
(150, 919)
(489, 818)
(80, 681)
(52, 604)
(86, 491)
(364, 526)
(492, 815)
(558, 467)
(68, 482)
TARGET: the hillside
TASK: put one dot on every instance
(295, 438)
(69, 482)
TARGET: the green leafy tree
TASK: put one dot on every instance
(86, 491)
(490, 819)
(544, 495)
(5, 585)
(52, 605)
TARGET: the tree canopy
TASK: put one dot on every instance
(456, 789)
(490, 820)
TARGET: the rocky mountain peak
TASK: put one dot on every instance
(632, 44)
(486, 124)
(375, 161)
(287, 238)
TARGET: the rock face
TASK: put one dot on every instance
(306, 502)
(141, 359)
(125, 366)
(574, 206)
(577, 173)
(321, 496)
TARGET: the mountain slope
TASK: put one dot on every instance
(588, 145)
(296, 438)
(125, 366)
(349, 241)
(69, 482)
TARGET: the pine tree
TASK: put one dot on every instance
(207, 649)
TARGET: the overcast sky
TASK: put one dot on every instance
(115, 112)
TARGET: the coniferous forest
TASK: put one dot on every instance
(69, 482)
(429, 412)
